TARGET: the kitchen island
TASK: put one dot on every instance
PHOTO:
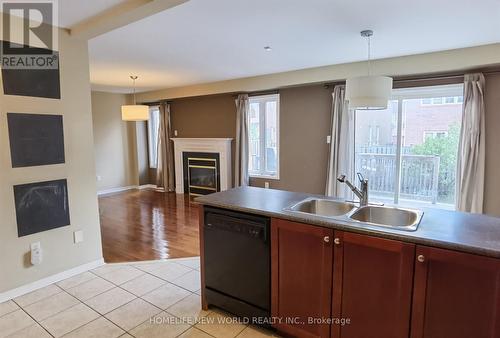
(338, 278)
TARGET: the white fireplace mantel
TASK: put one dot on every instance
(222, 146)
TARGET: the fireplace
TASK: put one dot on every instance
(201, 173)
(210, 165)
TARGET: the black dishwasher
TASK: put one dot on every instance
(237, 262)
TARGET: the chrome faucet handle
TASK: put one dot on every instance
(361, 177)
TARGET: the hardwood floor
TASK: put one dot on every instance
(142, 225)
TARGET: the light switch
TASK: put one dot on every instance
(266, 185)
(175, 132)
(78, 236)
(36, 253)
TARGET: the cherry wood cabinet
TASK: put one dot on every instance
(301, 277)
(385, 288)
(456, 295)
(372, 286)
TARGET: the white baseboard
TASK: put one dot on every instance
(22, 290)
(147, 186)
(115, 190)
(151, 186)
(155, 261)
(130, 187)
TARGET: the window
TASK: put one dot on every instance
(413, 161)
(437, 100)
(442, 100)
(263, 136)
(374, 135)
(434, 134)
(153, 126)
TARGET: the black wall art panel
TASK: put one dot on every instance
(35, 139)
(41, 206)
(31, 82)
(40, 79)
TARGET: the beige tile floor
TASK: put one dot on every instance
(145, 299)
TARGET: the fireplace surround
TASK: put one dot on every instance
(201, 173)
(206, 154)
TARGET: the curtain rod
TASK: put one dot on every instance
(258, 93)
(402, 79)
(489, 72)
(458, 77)
(427, 78)
(410, 79)
(156, 103)
(235, 95)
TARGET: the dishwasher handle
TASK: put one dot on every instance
(245, 227)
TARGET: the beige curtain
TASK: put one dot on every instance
(471, 149)
(165, 169)
(241, 161)
(341, 153)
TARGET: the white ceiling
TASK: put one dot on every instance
(204, 41)
(72, 12)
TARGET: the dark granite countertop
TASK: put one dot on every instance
(473, 233)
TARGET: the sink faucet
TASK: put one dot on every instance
(361, 193)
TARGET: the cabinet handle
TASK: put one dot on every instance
(326, 239)
(421, 258)
(336, 241)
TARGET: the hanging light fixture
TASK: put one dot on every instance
(368, 92)
(135, 112)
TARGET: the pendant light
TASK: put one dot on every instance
(368, 92)
(135, 112)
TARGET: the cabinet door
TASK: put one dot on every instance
(372, 286)
(456, 295)
(301, 277)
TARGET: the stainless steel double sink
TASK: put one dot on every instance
(374, 215)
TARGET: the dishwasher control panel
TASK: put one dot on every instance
(239, 225)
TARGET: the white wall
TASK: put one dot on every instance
(60, 253)
(114, 142)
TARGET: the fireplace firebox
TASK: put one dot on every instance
(201, 173)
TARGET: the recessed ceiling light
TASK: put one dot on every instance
(268, 48)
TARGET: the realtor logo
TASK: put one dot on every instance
(29, 34)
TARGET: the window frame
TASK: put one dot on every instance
(400, 95)
(262, 100)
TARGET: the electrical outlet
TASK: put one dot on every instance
(99, 178)
(266, 185)
(175, 132)
(78, 236)
(36, 253)
(328, 139)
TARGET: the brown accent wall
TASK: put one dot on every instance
(205, 116)
(492, 176)
(304, 126)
